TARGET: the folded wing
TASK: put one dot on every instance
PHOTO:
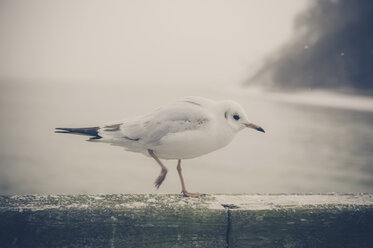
(149, 130)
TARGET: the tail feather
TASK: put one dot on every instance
(90, 131)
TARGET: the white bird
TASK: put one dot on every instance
(185, 129)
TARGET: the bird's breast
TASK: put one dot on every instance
(193, 143)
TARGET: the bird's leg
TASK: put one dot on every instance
(183, 189)
(163, 173)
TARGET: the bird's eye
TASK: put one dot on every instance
(236, 117)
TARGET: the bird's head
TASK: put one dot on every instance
(236, 117)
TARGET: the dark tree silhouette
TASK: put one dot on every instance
(333, 49)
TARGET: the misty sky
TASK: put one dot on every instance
(141, 41)
(56, 58)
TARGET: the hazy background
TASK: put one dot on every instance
(289, 63)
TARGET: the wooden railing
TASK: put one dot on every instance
(278, 220)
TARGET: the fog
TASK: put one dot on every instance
(332, 49)
(84, 63)
(163, 41)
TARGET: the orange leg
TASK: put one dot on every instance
(183, 189)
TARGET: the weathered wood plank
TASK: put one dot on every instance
(300, 220)
(111, 221)
(328, 220)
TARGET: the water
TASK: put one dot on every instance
(306, 148)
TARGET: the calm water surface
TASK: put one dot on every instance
(305, 148)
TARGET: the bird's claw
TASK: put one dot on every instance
(160, 179)
(188, 194)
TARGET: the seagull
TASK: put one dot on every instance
(188, 128)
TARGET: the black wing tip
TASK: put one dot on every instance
(61, 131)
(90, 131)
(260, 130)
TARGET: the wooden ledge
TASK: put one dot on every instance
(124, 220)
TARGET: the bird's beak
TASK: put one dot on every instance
(251, 125)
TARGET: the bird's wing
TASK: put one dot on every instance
(184, 115)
